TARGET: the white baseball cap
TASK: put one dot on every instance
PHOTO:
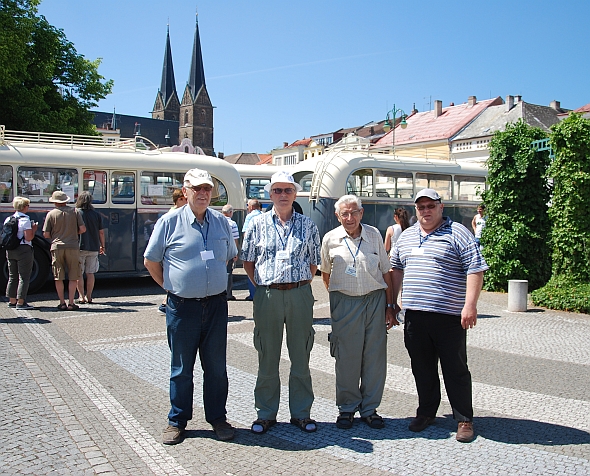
(282, 177)
(197, 177)
(428, 193)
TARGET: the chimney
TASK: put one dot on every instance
(509, 102)
(472, 101)
(285, 145)
(221, 155)
(555, 105)
(414, 110)
(518, 99)
(437, 108)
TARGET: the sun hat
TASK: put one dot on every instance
(197, 177)
(59, 197)
(282, 177)
(428, 193)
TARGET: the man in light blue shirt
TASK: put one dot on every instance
(187, 255)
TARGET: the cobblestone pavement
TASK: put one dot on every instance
(86, 392)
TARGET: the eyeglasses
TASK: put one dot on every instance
(432, 206)
(198, 188)
(347, 215)
(288, 191)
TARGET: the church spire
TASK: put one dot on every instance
(196, 78)
(168, 85)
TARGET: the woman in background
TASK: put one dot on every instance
(20, 260)
(402, 221)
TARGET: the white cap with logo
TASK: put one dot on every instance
(282, 177)
(196, 177)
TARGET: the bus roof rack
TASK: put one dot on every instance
(74, 141)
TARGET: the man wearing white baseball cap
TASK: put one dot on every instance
(441, 268)
(281, 252)
(187, 255)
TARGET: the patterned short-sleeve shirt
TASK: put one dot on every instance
(266, 237)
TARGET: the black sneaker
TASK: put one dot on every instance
(24, 306)
(11, 304)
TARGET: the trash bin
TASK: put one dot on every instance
(517, 295)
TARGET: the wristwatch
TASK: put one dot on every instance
(390, 305)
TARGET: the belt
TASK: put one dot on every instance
(288, 286)
(206, 298)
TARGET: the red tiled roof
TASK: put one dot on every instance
(585, 108)
(304, 142)
(264, 159)
(424, 127)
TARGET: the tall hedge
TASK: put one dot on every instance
(570, 211)
(515, 238)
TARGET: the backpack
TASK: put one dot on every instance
(9, 239)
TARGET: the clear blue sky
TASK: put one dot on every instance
(283, 70)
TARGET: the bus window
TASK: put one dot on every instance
(440, 183)
(123, 187)
(360, 183)
(394, 184)
(255, 188)
(95, 182)
(304, 179)
(38, 183)
(219, 195)
(469, 187)
(5, 183)
(157, 187)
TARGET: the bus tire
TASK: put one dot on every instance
(39, 274)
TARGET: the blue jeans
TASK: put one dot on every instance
(197, 326)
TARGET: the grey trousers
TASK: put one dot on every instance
(275, 310)
(20, 265)
(359, 343)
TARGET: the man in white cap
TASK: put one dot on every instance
(442, 270)
(187, 255)
(281, 252)
(62, 226)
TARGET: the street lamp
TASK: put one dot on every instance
(390, 123)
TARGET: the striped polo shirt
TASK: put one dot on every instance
(436, 266)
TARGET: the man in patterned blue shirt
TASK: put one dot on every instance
(281, 252)
(442, 271)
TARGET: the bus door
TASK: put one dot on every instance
(120, 230)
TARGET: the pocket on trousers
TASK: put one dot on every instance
(310, 340)
(333, 345)
(257, 341)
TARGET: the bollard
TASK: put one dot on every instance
(517, 295)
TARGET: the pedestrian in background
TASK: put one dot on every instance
(442, 269)
(20, 260)
(91, 244)
(187, 256)
(281, 252)
(402, 221)
(254, 209)
(228, 211)
(62, 226)
(355, 270)
(478, 223)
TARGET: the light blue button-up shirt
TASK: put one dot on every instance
(177, 242)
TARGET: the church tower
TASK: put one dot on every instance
(167, 105)
(196, 110)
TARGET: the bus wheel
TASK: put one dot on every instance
(41, 270)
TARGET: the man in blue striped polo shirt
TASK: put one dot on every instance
(441, 269)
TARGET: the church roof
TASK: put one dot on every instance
(196, 79)
(168, 84)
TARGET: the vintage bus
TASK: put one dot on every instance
(384, 182)
(131, 186)
(254, 178)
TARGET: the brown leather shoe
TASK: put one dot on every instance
(224, 431)
(420, 423)
(465, 432)
(172, 435)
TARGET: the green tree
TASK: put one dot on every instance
(45, 85)
(515, 238)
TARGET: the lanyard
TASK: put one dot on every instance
(283, 243)
(357, 250)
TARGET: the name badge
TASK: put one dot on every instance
(417, 251)
(351, 271)
(282, 255)
(208, 254)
